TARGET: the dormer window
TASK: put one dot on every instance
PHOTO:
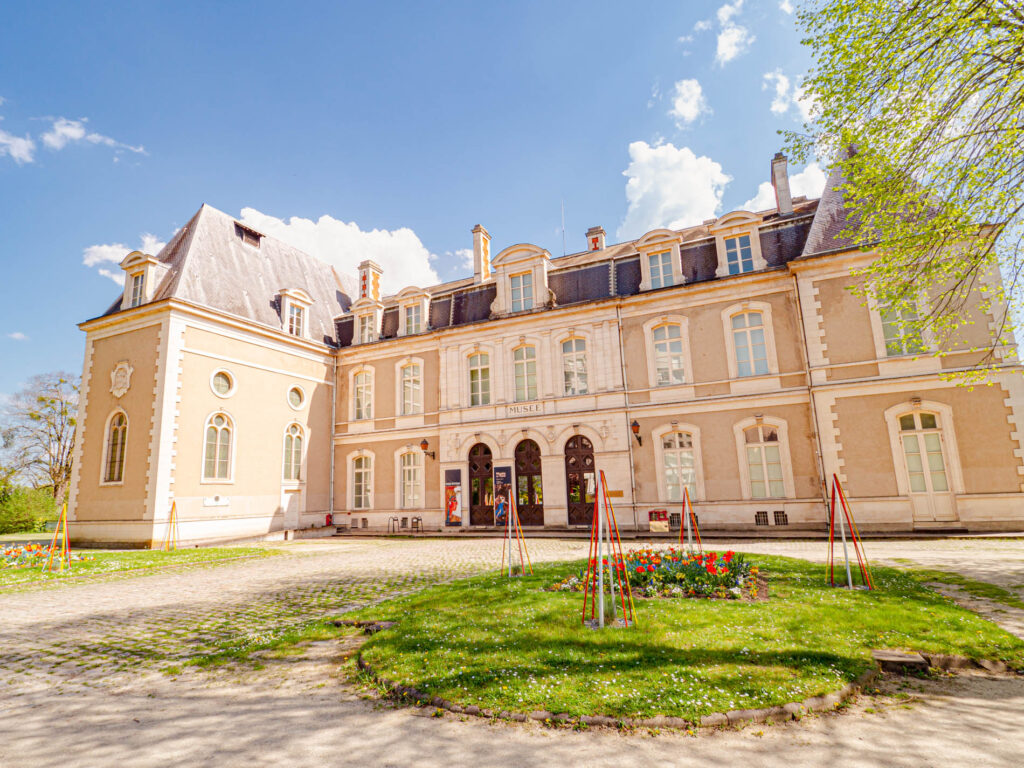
(522, 291)
(661, 269)
(738, 255)
(248, 236)
(365, 328)
(660, 262)
(296, 320)
(138, 283)
(142, 276)
(413, 319)
(295, 306)
(413, 305)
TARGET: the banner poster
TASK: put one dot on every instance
(502, 493)
(453, 497)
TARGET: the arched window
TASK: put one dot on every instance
(749, 344)
(525, 363)
(679, 465)
(117, 436)
(480, 379)
(412, 389)
(362, 481)
(217, 455)
(362, 395)
(412, 479)
(668, 355)
(764, 462)
(574, 366)
(293, 453)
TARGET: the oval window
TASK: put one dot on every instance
(295, 397)
(222, 383)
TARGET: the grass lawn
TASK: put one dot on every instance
(100, 561)
(511, 645)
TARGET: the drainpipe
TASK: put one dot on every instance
(625, 398)
(334, 405)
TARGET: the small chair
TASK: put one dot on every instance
(393, 524)
(417, 524)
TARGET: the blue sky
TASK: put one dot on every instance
(381, 130)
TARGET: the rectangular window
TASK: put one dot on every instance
(138, 281)
(751, 350)
(738, 255)
(412, 390)
(413, 319)
(574, 366)
(295, 318)
(522, 291)
(365, 329)
(902, 332)
(412, 471)
(480, 379)
(525, 363)
(668, 355)
(661, 269)
(362, 481)
(679, 465)
(362, 386)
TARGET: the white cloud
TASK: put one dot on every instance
(702, 26)
(464, 257)
(66, 132)
(733, 39)
(806, 103)
(786, 7)
(810, 181)
(688, 103)
(669, 187)
(19, 148)
(778, 81)
(17, 336)
(113, 253)
(404, 259)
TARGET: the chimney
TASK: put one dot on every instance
(780, 180)
(481, 254)
(595, 239)
(369, 280)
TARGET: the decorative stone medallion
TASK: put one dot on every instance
(121, 378)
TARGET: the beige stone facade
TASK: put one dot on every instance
(731, 359)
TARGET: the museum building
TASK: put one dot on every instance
(256, 390)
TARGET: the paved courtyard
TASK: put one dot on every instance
(83, 673)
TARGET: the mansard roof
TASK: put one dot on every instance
(831, 218)
(210, 264)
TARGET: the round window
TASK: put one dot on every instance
(222, 383)
(295, 397)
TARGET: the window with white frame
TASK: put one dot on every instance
(362, 481)
(117, 438)
(921, 439)
(901, 330)
(738, 255)
(413, 318)
(574, 366)
(522, 291)
(296, 318)
(412, 479)
(661, 269)
(412, 389)
(668, 355)
(525, 365)
(362, 395)
(293, 453)
(138, 283)
(480, 379)
(217, 452)
(749, 343)
(764, 462)
(679, 465)
(365, 329)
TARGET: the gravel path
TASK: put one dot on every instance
(81, 681)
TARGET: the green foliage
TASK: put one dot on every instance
(26, 510)
(930, 94)
(512, 644)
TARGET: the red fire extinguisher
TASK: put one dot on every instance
(330, 519)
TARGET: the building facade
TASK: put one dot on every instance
(257, 390)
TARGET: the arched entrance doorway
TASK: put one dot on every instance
(580, 480)
(481, 485)
(529, 492)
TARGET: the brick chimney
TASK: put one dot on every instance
(481, 254)
(369, 280)
(780, 181)
(595, 239)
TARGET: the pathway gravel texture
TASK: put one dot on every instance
(83, 682)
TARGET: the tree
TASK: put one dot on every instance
(921, 105)
(39, 432)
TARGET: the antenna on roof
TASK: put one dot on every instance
(563, 226)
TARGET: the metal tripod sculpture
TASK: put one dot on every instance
(688, 531)
(845, 521)
(606, 561)
(513, 528)
(59, 544)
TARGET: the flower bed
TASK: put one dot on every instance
(30, 556)
(678, 573)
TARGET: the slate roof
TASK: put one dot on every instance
(209, 265)
(830, 219)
